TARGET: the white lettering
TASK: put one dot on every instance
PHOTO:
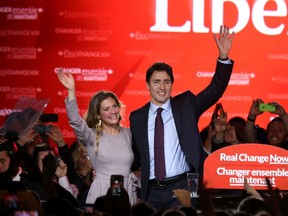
(198, 16)
(224, 157)
(275, 159)
(252, 158)
(161, 24)
(218, 13)
(68, 30)
(258, 14)
(232, 172)
(5, 9)
(257, 11)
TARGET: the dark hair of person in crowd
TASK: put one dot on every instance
(222, 212)
(99, 203)
(238, 123)
(117, 205)
(142, 209)
(173, 212)
(191, 211)
(9, 163)
(247, 214)
(252, 205)
(57, 206)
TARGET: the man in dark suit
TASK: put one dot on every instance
(183, 150)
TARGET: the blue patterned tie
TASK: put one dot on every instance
(159, 159)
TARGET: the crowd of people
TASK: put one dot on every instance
(140, 170)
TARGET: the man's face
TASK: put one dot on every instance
(160, 87)
(4, 161)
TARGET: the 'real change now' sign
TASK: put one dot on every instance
(227, 167)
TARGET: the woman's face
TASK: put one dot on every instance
(83, 155)
(109, 112)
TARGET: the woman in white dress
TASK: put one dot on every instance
(108, 144)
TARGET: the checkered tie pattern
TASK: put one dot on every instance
(159, 159)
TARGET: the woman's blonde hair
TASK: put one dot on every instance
(93, 111)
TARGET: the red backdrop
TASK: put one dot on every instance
(110, 44)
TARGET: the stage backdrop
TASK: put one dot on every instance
(109, 44)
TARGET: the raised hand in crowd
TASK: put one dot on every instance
(251, 190)
(22, 140)
(208, 133)
(61, 169)
(220, 125)
(61, 173)
(183, 197)
(250, 124)
(254, 109)
(220, 133)
(276, 130)
(55, 134)
(279, 110)
(42, 134)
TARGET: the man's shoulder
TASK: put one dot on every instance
(141, 109)
(182, 95)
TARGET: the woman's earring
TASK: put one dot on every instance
(99, 122)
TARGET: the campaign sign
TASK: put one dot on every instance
(227, 167)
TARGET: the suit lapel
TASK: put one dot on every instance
(143, 128)
(176, 115)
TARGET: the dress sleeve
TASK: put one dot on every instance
(86, 135)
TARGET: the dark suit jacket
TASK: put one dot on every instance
(186, 108)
